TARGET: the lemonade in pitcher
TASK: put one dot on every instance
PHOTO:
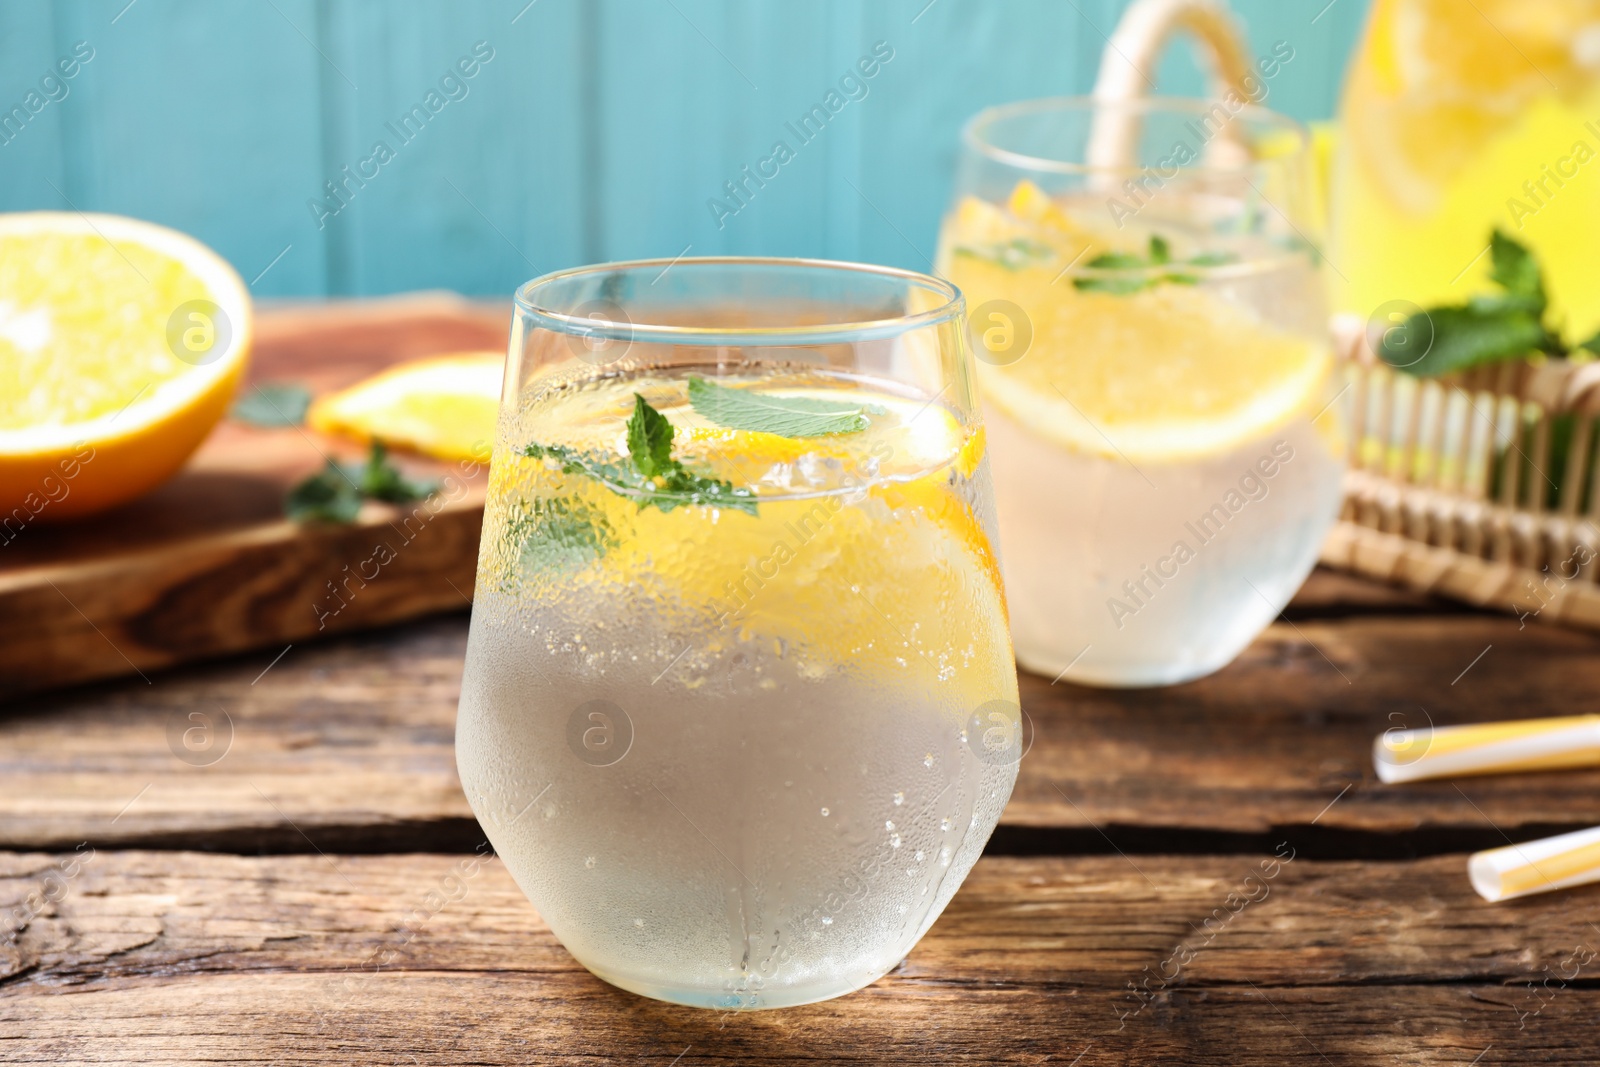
(1156, 384)
(739, 709)
(1458, 118)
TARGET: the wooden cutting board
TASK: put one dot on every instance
(207, 565)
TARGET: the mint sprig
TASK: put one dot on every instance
(1509, 325)
(334, 494)
(650, 475)
(1159, 254)
(786, 416)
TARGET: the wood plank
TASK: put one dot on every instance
(351, 739)
(180, 958)
(207, 565)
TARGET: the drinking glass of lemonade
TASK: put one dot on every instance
(1148, 318)
(739, 709)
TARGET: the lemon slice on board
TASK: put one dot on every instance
(121, 344)
(443, 406)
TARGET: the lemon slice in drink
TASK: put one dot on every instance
(872, 531)
(443, 406)
(1166, 374)
(121, 343)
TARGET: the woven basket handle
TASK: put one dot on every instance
(1128, 65)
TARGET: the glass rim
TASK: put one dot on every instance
(950, 306)
(972, 131)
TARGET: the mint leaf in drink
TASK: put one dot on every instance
(683, 486)
(558, 533)
(649, 439)
(652, 477)
(1158, 255)
(786, 416)
(1014, 254)
(272, 404)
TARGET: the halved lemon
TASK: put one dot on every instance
(443, 406)
(121, 344)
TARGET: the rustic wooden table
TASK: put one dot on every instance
(316, 893)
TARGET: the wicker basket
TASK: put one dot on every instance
(1481, 486)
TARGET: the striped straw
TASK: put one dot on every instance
(1488, 748)
(1536, 866)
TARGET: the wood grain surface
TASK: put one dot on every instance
(1205, 874)
(350, 742)
(145, 957)
(207, 565)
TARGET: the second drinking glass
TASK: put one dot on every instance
(1156, 376)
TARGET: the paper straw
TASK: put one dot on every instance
(1536, 866)
(1488, 748)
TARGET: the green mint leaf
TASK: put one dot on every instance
(683, 487)
(272, 404)
(649, 439)
(1591, 345)
(334, 494)
(1515, 269)
(1462, 337)
(382, 480)
(1119, 286)
(1160, 255)
(1014, 254)
(786, 416)
(558, 533)
(330, 495)
(671, 486)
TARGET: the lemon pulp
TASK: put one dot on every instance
(121, 344)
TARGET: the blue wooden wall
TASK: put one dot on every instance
(599, 129)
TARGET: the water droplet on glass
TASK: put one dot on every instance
(944, 857)
(899, 799)
(894, 840)
(824, 813)
(638, 922)
(589, 863)
(827, 920)
(944, 823)
(927, 761)
(888, 824)
(919, 855)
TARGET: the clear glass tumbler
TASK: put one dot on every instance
(739, 709)
(1147, 308)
